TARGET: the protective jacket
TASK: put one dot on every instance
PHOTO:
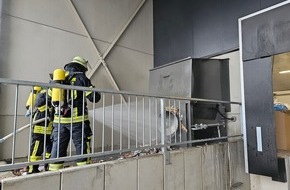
(42, 111)
(75, 107)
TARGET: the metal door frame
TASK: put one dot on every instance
(243, 115)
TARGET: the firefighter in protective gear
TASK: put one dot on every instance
(41, 132)
(73, 118)
(30, 103)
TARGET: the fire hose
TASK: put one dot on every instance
(21, 129)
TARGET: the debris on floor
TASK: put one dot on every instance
(137, 153)
(19, 172)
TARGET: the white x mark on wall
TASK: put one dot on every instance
(101, 57)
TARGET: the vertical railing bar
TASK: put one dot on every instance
(162, 124)
(93, 133)
(112, 132)
(83, 122)
(143, 130)
(176, 114)
(103, 127)
(58, 125)
(219, 132)
(164, 138)
(188, 115)
(30, 122)
(45, 126)
(121, 122)
(156, 121)
(129, 121)
(169, 122)
(15, 124)
(136, 132)
(150, 123)
(71, 120)
(180, 122)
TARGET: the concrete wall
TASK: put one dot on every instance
(259, 182)
(265, 183)
(45, 181)
(39, 36)
(211, 167)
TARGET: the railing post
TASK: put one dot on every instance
(163, 132)
(15, 124)
(188, 114)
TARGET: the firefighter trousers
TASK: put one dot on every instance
(81, 137)
(37, 149)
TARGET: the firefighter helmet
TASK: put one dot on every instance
(80, 61)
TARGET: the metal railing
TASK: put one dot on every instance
(120, 122)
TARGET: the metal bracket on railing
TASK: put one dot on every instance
(21, 129)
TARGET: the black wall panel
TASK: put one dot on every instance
(181, 32)
(161, 31)
(198, 28)
(266, 34)
(259, 113)
(231, 12)
(172, 31)
(207, 30)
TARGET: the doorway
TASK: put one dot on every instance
(263, 36)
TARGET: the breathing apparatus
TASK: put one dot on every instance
(57, 94)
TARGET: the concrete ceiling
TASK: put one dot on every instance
(281, 62)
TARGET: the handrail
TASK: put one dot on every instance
(70, 87)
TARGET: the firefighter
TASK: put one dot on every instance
(41, 131)
(30, 103)
(72, 117)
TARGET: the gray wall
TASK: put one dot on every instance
(39, 36)
(198, 28)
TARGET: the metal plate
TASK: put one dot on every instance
(261, 142)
